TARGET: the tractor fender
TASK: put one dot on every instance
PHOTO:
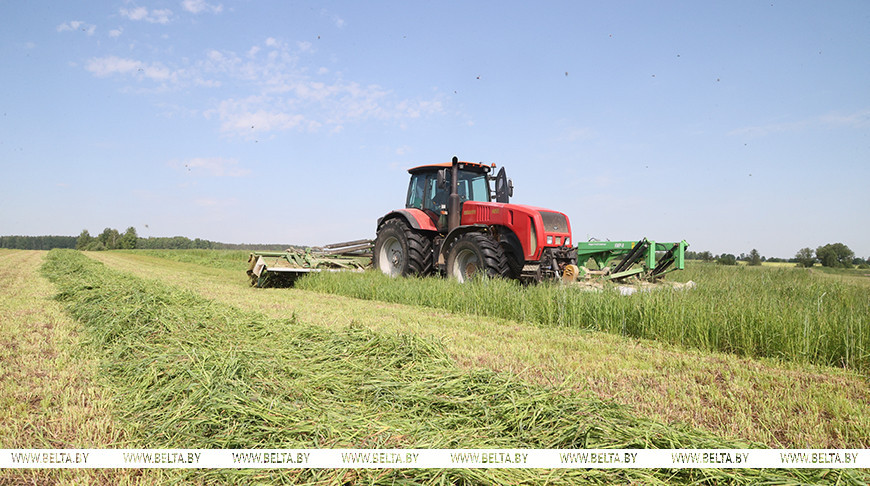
(415, 218)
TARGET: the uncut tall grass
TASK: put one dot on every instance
(783, 313)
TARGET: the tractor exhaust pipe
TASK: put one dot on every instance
(453, 203)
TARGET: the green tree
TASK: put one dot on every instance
(726, 259)
(754, 258)
(110, 238)
(83, 240)
(201, 244)
(835, 255)
(95, 245)
(805, 257)
(128, 241)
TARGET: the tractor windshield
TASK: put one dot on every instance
(424, 192)
(472, 186)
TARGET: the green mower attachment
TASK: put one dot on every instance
(619, 260)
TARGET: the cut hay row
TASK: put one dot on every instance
(187, 372)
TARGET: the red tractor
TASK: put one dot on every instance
(455, 224)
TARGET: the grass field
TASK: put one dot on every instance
(225, 365)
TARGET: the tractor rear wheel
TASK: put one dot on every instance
(476, 254)
(401, 251)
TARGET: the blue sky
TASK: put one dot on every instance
(734, 125)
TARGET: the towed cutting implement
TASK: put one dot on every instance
(283, 268)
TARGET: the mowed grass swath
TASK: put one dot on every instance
(187, 372)
(783, 313)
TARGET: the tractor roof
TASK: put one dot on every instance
(473, 166)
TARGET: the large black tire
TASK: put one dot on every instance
(514, 264)
(476, 254)
(402, 251)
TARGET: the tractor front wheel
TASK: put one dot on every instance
(475, 254)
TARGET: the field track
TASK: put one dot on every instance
(781, 405)
(48, 390)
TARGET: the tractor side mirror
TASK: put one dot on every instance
(504, 187)
(442, 178)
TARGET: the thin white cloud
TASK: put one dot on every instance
(206, 202)
(112, 65)
(768, 129)
(213, 202)
(106, 66)
(215, 167)
(336, 20)
(304, 46)
(138, 13)
(574, 134)
(77, 25)
(307, 105)
(156, 16)
(859, 119)
(251, 118)
(200, 6)
(116, 32)
(277, 91)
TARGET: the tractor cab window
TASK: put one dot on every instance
(436, 196)
(472, 187)
(425, 193)
(416, 191)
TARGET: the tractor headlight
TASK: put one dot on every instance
(567, 241)
(549, 239)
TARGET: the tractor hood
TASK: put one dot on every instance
(539, 227)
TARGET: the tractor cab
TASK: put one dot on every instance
(429, 188)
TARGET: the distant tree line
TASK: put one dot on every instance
(834, 255)
(37, 242)
(112, 239)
